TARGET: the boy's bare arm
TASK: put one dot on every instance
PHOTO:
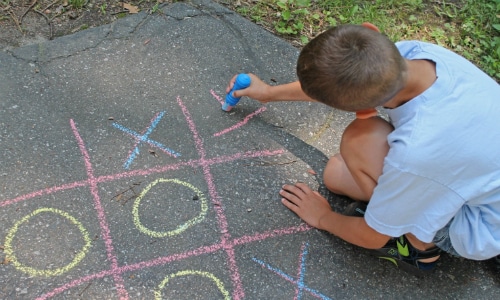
(313, 208)
(264, 92)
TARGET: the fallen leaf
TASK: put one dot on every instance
(119, 197)
(131, 8)
(152, 152)
(5, 261)
(312, 172)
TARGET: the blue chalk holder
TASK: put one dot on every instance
(242, 82)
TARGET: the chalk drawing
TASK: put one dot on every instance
(210, 276)
(323, 128)
(49, 272)
(299, 282)
(177, 257)
(144, 137)
(180, 228)
(226, 243)
(101, 215)
(239, 124)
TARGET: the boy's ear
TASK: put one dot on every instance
(370, 26)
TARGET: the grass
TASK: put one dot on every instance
(470, 28)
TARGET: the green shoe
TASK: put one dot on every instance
(402, 254)
(398, 250)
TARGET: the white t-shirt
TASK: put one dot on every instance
(444, 159)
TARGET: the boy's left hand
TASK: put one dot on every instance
(309, 205)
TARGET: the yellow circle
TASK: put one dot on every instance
(216, 280)
(47, 273)
(180, 228)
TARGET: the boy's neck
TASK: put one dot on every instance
(421, 75)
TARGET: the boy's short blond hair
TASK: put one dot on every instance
(351, 67)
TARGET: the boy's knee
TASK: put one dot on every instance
(331, 174)
(365, 131)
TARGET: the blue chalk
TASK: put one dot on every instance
(242, 82)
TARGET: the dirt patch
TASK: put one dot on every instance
(24, 22)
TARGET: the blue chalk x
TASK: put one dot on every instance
(242, 82)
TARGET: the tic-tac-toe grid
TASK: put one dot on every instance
(224, 243)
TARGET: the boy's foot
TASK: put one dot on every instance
(356, 209)
(399, 251)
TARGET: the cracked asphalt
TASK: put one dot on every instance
(121, 177)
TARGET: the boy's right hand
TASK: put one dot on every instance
(257, 90)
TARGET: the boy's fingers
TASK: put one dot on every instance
(231, 84)
(303, 187)
(290, 205)
(291, 189)
(237, 94)
(291, 196)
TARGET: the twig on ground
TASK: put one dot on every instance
(16, 21)
(50, 5)
(49, 22)
(85, 289)
(119, 12)
(29, 8)
(265, 163)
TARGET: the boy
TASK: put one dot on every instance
(431, 176)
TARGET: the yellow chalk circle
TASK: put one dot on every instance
(180, 228)
(52, 272)
(216, 280)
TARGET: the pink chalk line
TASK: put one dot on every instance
(101, 215)
(217, 97)
(176, 257)
(226, 242)
(243, 122)
(238, 125)
(144, 172)
(238, 292)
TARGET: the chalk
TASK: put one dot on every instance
(242, 82)
(217, 281)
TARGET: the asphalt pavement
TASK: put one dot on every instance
(122, 178)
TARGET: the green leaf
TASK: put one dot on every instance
(496, 26)
(303, 3)
(303, 11)
(282, 4)
(354, 10)
(299, 26)
(285, 15)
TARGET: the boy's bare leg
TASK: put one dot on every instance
(355, 171)
(421, 246)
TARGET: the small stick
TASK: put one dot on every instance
(85, 289)
(16, 21)
(50, 5)
(48, 22)
(119, 12)
(31, 6)
(275, 164)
